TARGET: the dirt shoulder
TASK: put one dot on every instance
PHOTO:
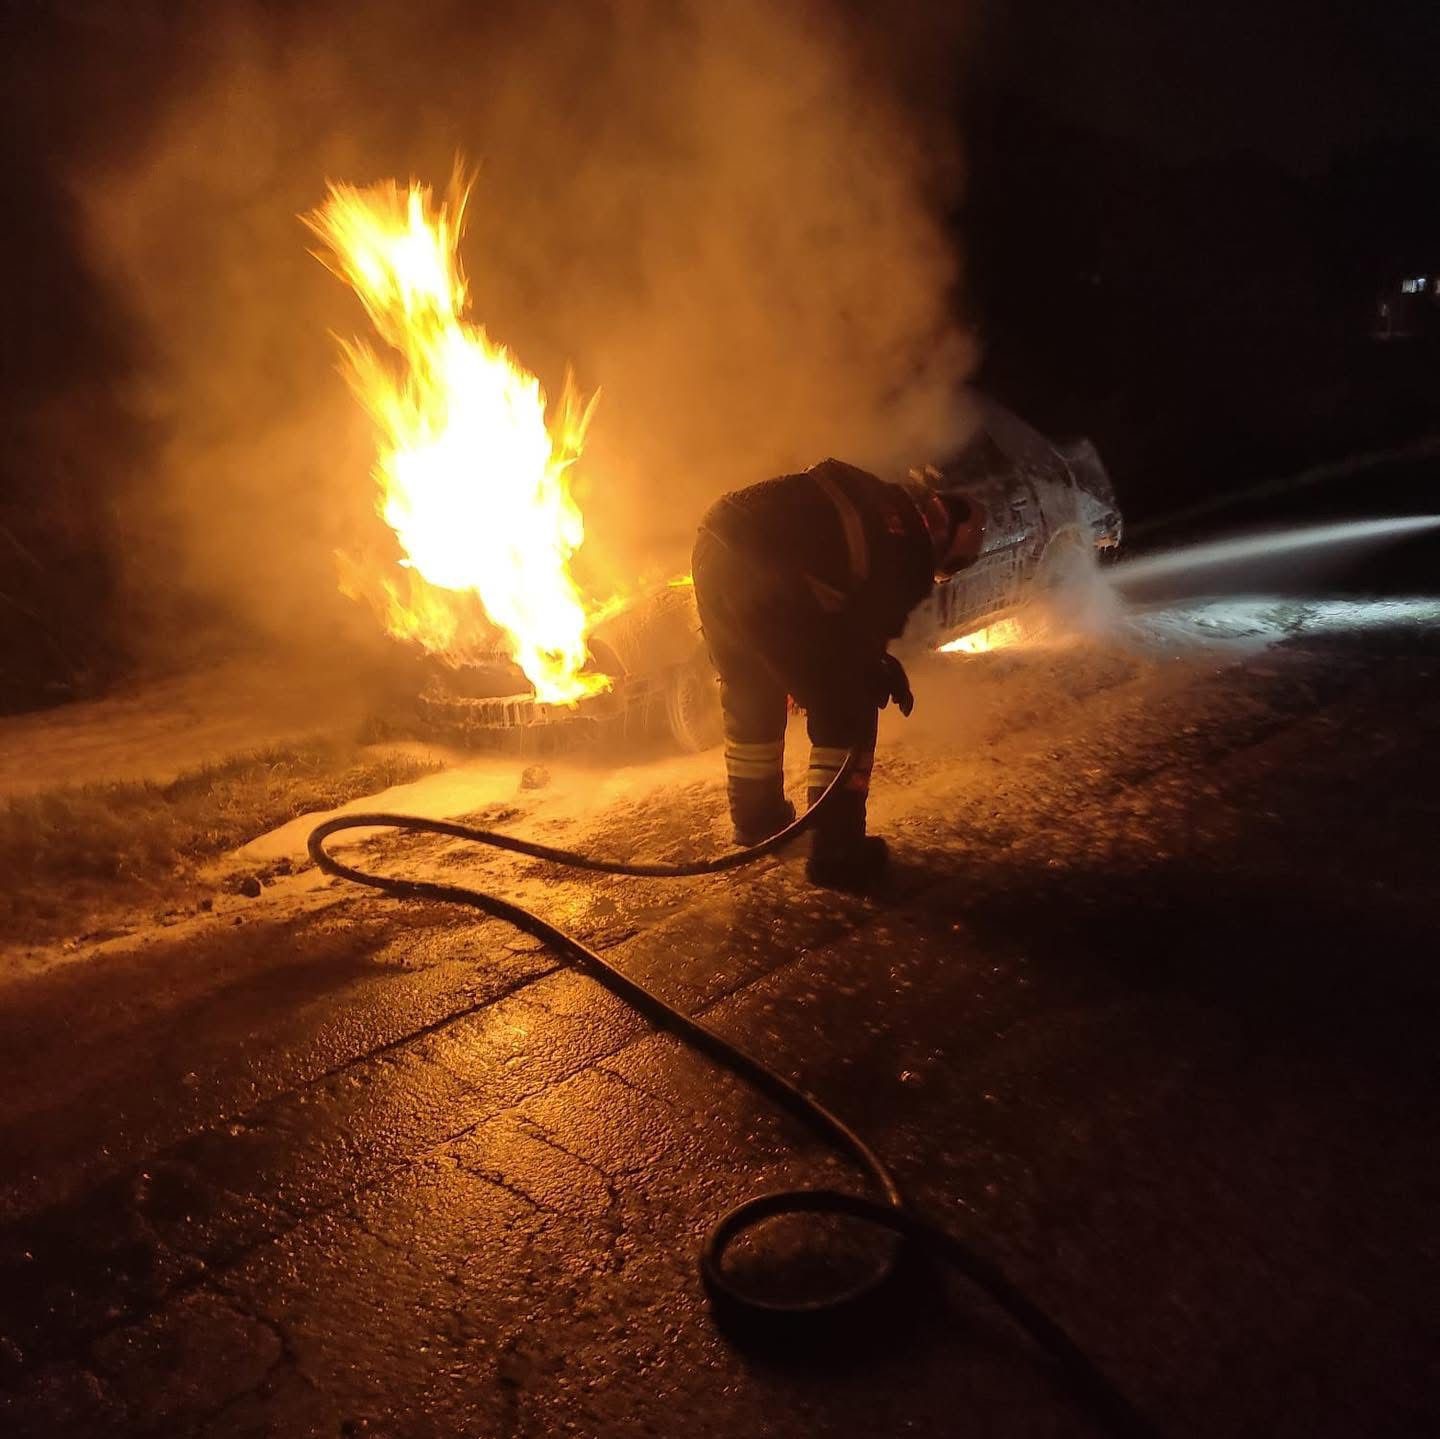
(88, 863)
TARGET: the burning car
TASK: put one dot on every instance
(472, 479)
(1048, 508)
(650, 659)
(472, 475)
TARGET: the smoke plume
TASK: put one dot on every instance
(729, 218)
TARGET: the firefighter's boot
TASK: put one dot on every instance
(842, 855)
(755, 781)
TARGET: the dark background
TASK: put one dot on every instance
(1178, 222)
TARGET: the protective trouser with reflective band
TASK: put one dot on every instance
(755, 675)
(754, 760)
(826, 762)
(846, 721)
(755, 781)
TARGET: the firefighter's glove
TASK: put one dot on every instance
(892, 683)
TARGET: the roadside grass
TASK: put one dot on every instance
(70, 853)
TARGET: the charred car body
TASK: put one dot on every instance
(1047, 507)
(660, 682)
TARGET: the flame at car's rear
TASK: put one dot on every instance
(997, 636)
(472, 471)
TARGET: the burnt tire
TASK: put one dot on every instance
(692, 707)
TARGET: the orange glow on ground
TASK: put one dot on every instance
(998, 636)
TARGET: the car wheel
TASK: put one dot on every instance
(692, 707)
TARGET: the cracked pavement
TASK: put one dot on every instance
(1145, 1012)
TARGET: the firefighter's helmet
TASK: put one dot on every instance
(956, 522)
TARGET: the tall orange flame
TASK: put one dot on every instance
(471, 478)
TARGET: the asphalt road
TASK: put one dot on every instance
(1146, 1012)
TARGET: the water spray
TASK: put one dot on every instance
(1267, 546)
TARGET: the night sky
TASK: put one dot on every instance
(1293, 81)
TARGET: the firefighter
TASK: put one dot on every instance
(801, 583)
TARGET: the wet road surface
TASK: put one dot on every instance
(1146, 1012)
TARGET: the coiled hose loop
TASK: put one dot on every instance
(735, 1306)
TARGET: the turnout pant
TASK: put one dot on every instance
(769, 641)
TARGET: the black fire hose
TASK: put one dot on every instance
(734, 1307)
